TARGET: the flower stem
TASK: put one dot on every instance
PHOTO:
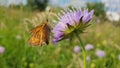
(83, 49)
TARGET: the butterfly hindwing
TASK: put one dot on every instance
(40, 34)
(46, 35)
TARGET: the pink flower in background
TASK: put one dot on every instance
(76, 49)
(2, 49)
(89, 47)
(100, 53)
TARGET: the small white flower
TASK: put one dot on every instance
(88, 58)
(119, 56)
(100, 53)
(2, 49)
(89, 47)
(76, 49)
(18, 37)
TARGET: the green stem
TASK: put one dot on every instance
(83, 49)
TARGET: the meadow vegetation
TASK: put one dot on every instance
(15, 33)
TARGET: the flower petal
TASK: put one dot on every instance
(87, 16)
(58, 34)
(60, 27)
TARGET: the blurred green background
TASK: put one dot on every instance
(16, 21)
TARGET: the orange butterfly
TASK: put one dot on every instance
(40, 35)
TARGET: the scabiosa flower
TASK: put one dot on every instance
(76, 49)
(100, 53)
(2, 49)
(72, 21)
(89, 47)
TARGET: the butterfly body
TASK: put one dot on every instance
(40, 35)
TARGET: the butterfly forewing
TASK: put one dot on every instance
(36, 30)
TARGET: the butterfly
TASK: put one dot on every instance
(40, 34)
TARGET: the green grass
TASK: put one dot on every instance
(19, 54)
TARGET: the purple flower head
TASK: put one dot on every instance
(76, 49)
(100, 53)
(2, 49)
(89, 47)
(70, 22)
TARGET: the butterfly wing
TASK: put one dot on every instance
(36, 30)
(35, 39)
(46, 33)
(40, 35)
